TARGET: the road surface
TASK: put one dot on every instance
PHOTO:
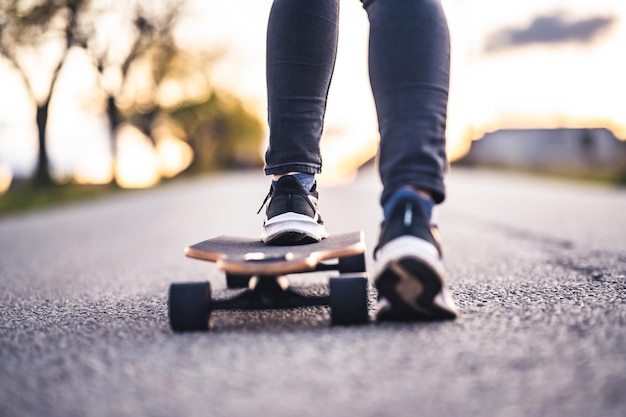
(537, 266)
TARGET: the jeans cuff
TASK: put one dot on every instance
(295, 167)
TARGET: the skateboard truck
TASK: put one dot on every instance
(269, 293)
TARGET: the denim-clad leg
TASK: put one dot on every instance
(301, 50)
(409, 63)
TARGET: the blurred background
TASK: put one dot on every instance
(104, 93)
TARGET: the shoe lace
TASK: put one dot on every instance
(267, 197)
(407, 221)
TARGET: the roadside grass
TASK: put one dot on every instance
(22, 197)
(610, 178)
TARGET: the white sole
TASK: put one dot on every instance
(411, 280)
(408, 246)
(292, 223)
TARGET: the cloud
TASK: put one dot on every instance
(552, 29)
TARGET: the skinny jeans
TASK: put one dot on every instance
(409, 69)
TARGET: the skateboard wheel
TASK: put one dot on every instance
(235, 281)
(350, 264)
(348, 299)
(189, 306)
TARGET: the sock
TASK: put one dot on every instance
(406, 192)
(307, 180)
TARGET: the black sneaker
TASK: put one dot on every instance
(409, 273)
(291, 215)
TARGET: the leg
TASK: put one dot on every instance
(409, 72)
(409, 63)
(301, 51)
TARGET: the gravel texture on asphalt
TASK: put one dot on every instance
(537, 267)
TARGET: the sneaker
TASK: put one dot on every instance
(291, 215)
(409, 273)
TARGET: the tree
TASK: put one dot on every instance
(116, 48)
(221, 131)
(135, 80)
(26, 28)
(135, 53)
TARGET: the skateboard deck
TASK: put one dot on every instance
(244, 256)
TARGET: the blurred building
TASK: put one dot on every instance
(592, 153)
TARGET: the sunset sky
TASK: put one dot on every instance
(530, 64)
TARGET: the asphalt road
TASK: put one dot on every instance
(537, 266)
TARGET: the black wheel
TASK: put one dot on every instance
(234, 281)
(348, 299)
(189, 306)
(350, 264)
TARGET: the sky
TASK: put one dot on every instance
(543, 64)
(530, 64)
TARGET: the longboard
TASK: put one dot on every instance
(262, 270)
